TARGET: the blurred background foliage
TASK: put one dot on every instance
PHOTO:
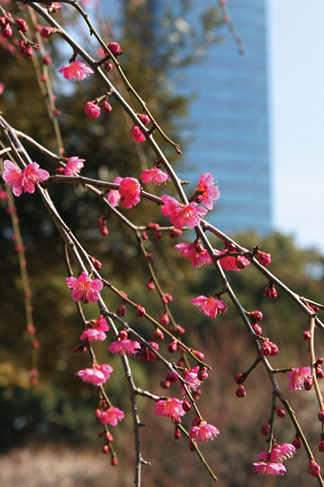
(61, 407)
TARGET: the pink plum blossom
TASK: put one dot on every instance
(114, 48)
(207, 189)
(203, 432)
(169, 205)
(209, 306)
(297, 378)
(76, 70)
(170, 408)
(123, 347)
(23, 180)
(73, 166)
(155, 175)
(114, 195)
(230, 263)
(195, 253)
(111, 416)
(269, 469)
(137, 134)
(129, 191)
(279, 453)
(97, 375)
(191, 377)
(93, 335)
(101, 324)
(187, 215)
(84, 289)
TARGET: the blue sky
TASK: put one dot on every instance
(296, 68)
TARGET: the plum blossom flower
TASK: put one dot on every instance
(170, 408)
(114, 195)
(97, 375)
(23, 180)
(169, 205)
(155, 174)
(268, 469)
(297, 378)
(76, 70)
(279, 453)
(129, 191)
(84, 289)
(209, 306)
(191, 377)
(208, 191)
(195, 253)
(111, 416)
(93, 335)
(187, 215)
(123, 347)
(231, 263)
(73, 166)
(101, 324)
(203, 432)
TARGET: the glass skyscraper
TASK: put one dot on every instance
(229, 120)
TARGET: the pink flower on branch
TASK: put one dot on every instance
(209, 306)
(137, 134)
(73, 166)
(155, 175)
(279, 453)
(93, 335)
(203, 432)
(84, 289)
(232, 263)
(76, 70)
(124, 347)
(92, 109)
(169, 205)
(195, 253)
(97, 375)
(129, 191)
(207, 190)
(114, 195)
(111, 416)
(268, 469)
(101, 324)
(170, 408)
(187, 215)
(297, 378)
(23, 180)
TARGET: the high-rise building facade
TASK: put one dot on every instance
(229, 119)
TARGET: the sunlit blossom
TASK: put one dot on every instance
(129, 191)
(169, 204)
(23, 181)
(209, 306)
(93, 335)
(187, 215)
(124, 347)
(111, 416)
(170, 407)
(203, 432)
(297, 378)
(73, 166)
(195, 253)
(114, 195)
(76, 70)
(231, 263)
(84, 289)
(207, 189)
(96, 375)
(155, 175)
(269, 469)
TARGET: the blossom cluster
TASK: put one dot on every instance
(23, 181)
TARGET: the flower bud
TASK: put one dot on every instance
(177, 434)
(59, 171)
(106, 107)
(173, 346)
(195, 421)
(202, 373)
(136, 134)
(123, 334)
(265, 348)
(164, 319)
(231, 247)
(121, 311)
(240, 392)
(281, 413)
(196, 394)
(256, 315)
(239, 378)
(108, 66)
(172, 377)
(319, 372)
(6, 31)
(158, 235)
(92, 109)
(165, 384)
(149, 256)
(240, 262)
(21, 25)
(319, 361)
(308, 383)
(321, 446)
(265, 430)
(263, 258)
(158, 335)
(314, 469)
(115, 48)
(46, 32)
(145, 119)
(307, 335)
(175, 232)
(109, 437)
(140, 311)
(104, 231)
(186, 406)
(257, 328)
(144, 355)
(198, 354)
(296, 442)
(144, 236)
(321, 416)
(114, 461)
(105, 449)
